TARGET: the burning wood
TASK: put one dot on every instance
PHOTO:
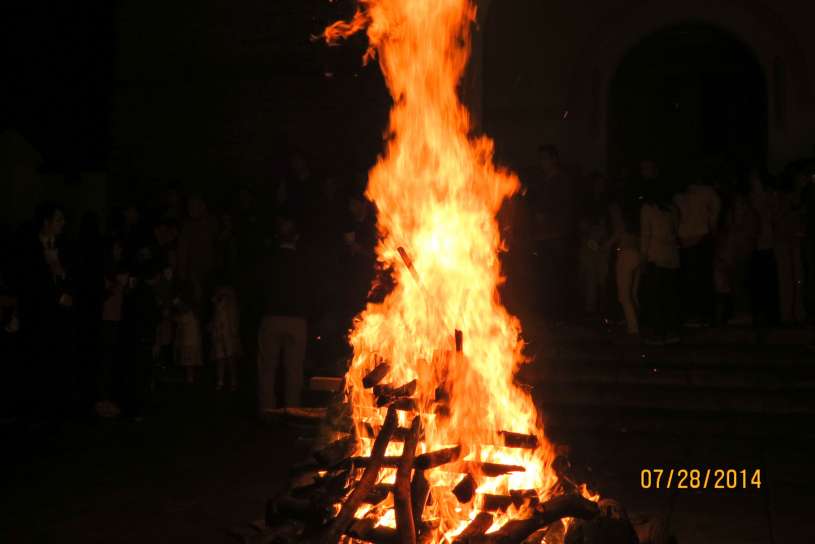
(489, 469)
(564, 506)
(518, 440)
(378, 494)
(419, 492)
(404, 511)
(437, 458)
(388, 391)
(465, 489)
(346, 515)
(480, 525)
(376, 375)
(364, 529)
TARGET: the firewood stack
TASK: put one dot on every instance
(307, 511)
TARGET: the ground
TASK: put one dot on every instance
(201, 464)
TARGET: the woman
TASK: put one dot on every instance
(624, 213)
(659, 221)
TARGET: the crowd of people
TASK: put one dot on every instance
(90, 321)
(707, 246)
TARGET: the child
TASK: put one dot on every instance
(225, 333)
(187, 340)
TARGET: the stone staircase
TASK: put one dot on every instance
(711, 384)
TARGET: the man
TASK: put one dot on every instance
(46, 311)
(552, 207)
(699, 208)
(282, 336)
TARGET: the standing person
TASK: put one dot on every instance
(659, 221)
(699, 208)
(196, 253)
(624, 214)
(46, 301)
(282, 335)
(594, 243)
(140, 319)
(735, 240)
(188, 347)
(808, 242)
(225, 335)
(552, 210)
(89, 273)
(789, 232)
(763, 266)
(116, 280)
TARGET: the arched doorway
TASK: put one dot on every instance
(685, 93)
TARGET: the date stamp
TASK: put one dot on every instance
(700, 478)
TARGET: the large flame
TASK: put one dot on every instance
(438, 193)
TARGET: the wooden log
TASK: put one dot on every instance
(351, 505)
(519, 440)
(334, 453)
(387, 390)
(310, 512)
(464, 490)
(363, 462)
(517, 497)
(521, 496)
(442, 394)
(437, 458)
(377, 494)
(477, 527)
(459, 341)
(495, 503)
(564, 506)
(364, 529)
(405, 404)
(563, 470)
(405, 525)
(419, 492)
(376, 375)
(489, 469)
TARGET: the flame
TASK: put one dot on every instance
(437, 193)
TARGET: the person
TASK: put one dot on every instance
(140, 319)
(116, 280)
(226, 248)
(659, 221)
(283, 330)
(763, 266)
(551, 201)
(196, 253)
(594, 243)
(89, 274)
(187, 340)
(735, 240)
(225, 336)
(624, 215)
(790, 230)
(699, 208)
(808, 242)
(44, 284)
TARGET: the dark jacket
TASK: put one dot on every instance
(286, 282)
